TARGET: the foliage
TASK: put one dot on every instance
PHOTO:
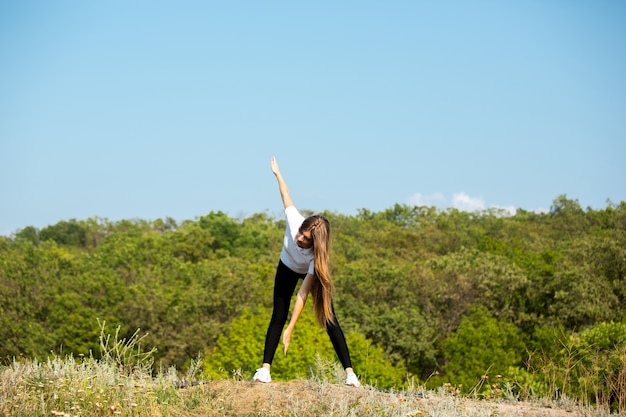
(127, 355)
(410, 281)
(481, 348)
(588, 365)
(241, 350)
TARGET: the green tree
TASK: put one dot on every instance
(71, 233)
(481, 348)
(470, 277)
(224, 230)
(382, 301)
(28, 234)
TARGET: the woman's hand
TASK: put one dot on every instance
(301, 297)
(275, 169)
(282, 186)
(287, 338)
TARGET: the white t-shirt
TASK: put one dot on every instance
(296, 258)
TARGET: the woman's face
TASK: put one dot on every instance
(304, 239)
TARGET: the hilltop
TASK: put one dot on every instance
(307, 397)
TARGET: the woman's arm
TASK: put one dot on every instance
(282, 186)
(303, 293)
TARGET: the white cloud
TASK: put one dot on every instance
(464, 202)
(460, 201)
(510, 210)
(419, 199)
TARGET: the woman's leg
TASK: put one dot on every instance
(338, 340)
(341, 348)
(284, 285)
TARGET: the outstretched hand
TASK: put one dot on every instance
(282, 186)
(287, 339)
(275, 169)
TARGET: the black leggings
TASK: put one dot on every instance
(284, 286)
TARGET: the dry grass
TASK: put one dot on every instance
(89, 387)
(123, 382)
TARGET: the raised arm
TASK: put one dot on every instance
(303, 293)
(282, 186)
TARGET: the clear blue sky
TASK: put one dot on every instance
(153, 109)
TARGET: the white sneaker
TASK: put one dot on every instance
(263, 375)
(351, 379)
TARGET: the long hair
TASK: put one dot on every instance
(322, 289)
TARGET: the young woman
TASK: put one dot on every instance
(305, 255)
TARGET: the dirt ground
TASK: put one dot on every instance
(302, 398)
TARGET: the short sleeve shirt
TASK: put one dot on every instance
(293, 256)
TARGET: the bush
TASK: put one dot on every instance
(240, 352)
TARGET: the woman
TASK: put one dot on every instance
(305, 255)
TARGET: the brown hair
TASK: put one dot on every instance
(322, 289)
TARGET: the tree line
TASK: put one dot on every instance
(441, 296)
